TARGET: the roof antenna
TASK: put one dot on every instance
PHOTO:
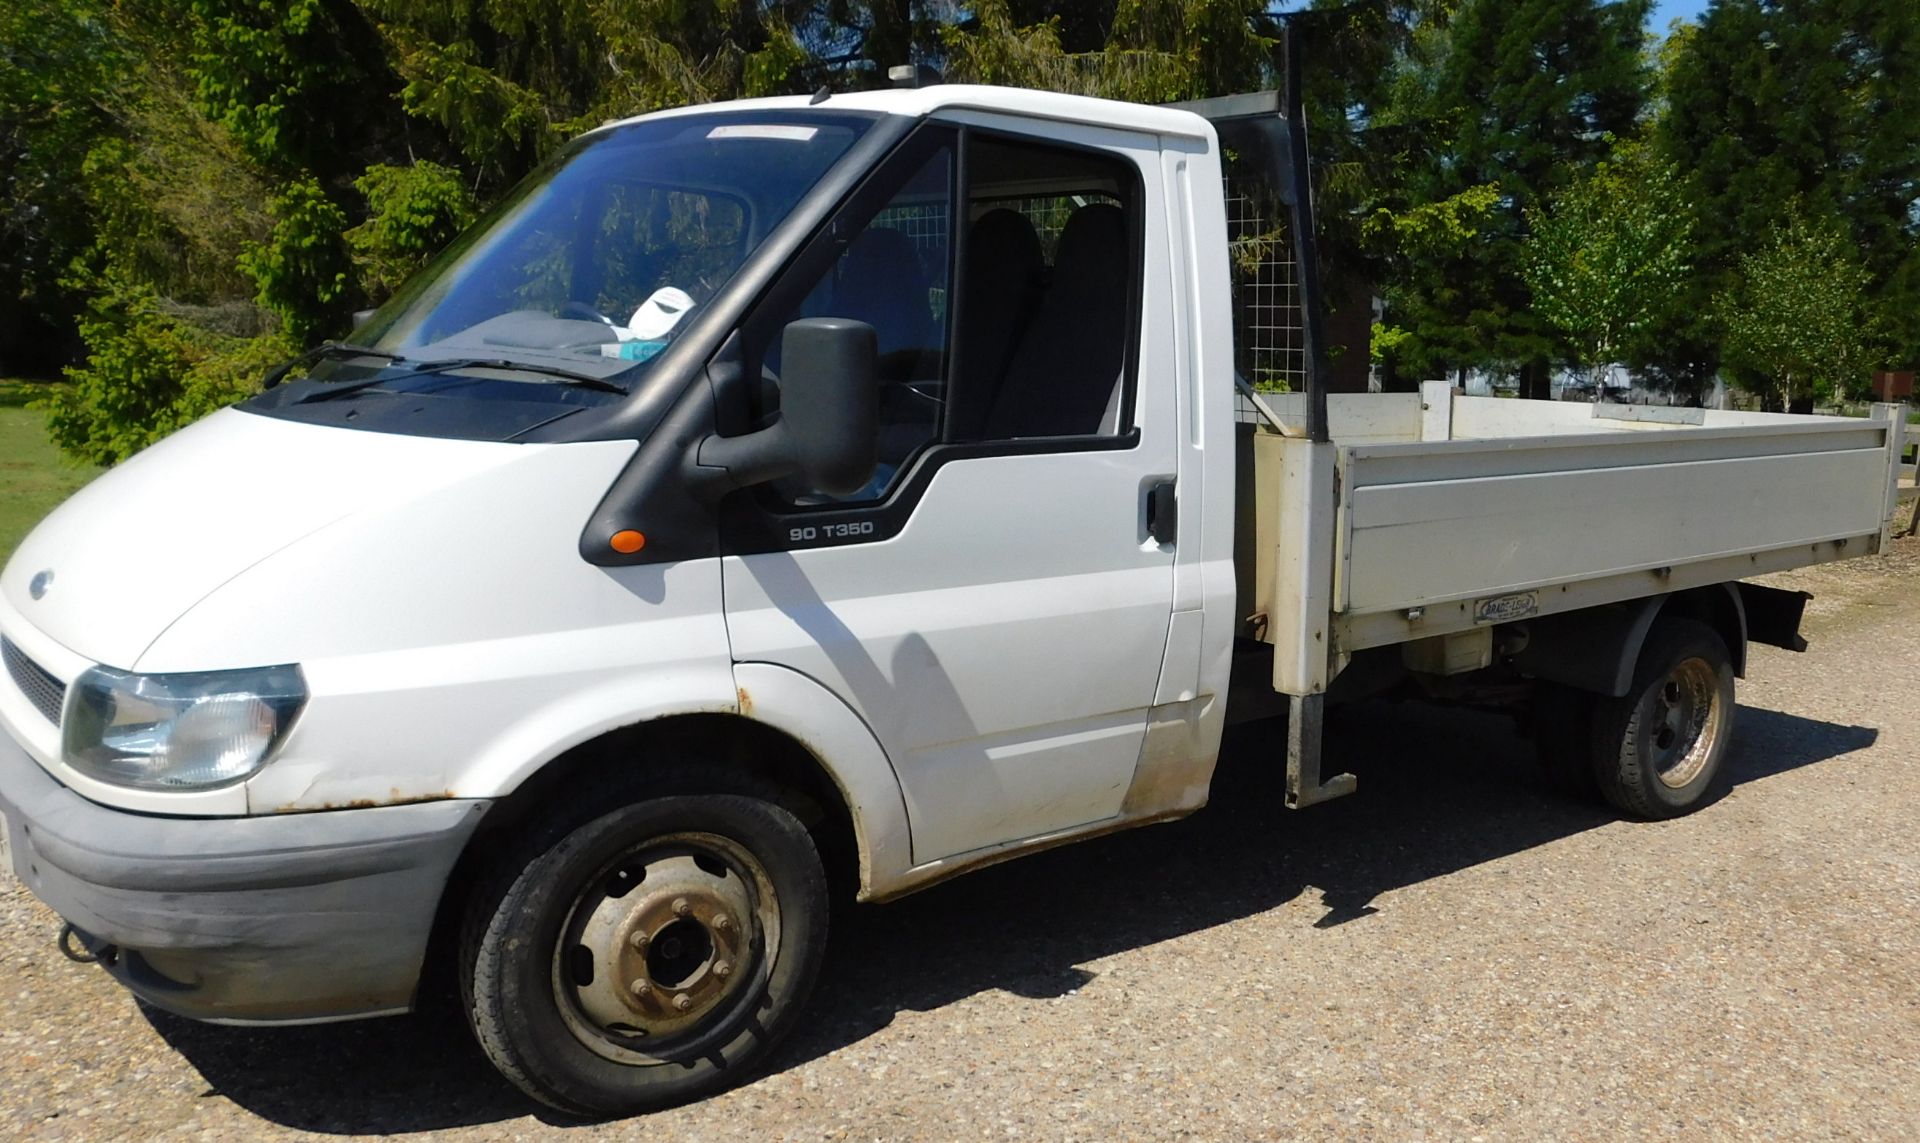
(820, 95)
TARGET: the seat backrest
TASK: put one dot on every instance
(1065, 371)
(1003, 271)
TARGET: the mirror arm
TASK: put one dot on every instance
(718, 465)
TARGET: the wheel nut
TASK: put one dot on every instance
(683, 1002)
(722, 922)
(722, 967)
(639, 988)
(638, 941)
(680, 907)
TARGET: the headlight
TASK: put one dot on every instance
(178, 732)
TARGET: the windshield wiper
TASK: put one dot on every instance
(582, 380)
(430, 368)
(325, 349)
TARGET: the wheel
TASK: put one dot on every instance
(651, 955)
(1563, 739)
(1657, 750)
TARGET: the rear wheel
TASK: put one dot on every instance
(654, 954)
(1658, 749)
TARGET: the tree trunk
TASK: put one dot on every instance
(1536, 380)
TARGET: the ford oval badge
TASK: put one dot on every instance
(41, 581)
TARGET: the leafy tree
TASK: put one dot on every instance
(303, 271)
(147, 373)
(296, 82)
(1608, 256)
(1159, 51)
(1795, 317)
(412, 212)
(1769, 103)
(1529, 90)
(58, 62)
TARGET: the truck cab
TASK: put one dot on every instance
(845, 460)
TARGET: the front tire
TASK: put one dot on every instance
(1658, 750)
(652, 955)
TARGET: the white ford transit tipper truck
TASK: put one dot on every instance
(792, 492)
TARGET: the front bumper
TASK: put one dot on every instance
(284, 919)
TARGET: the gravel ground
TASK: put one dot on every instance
(1453, 953)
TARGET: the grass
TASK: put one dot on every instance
(34, 475)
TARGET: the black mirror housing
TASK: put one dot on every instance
(828, 431)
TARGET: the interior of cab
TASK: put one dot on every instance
(1021, 343)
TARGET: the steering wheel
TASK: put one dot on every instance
(584, 312)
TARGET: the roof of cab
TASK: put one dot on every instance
(923, 101)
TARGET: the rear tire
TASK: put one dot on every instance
(654, 954)
(1658, 750)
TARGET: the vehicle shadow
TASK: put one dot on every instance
(1440, 791)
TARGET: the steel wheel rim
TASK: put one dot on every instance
(1686, 722)
(665, 947)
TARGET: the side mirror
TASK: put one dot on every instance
(828, 431)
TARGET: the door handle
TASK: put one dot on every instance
(1163, 513)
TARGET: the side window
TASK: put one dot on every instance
(1033, 342)
(892, 272)
(1045, 310)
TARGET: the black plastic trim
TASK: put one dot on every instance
(753, 522)
(46, 693)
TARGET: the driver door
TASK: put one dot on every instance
(993, 603)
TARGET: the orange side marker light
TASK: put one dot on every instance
(627, 542)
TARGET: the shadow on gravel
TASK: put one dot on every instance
(1440, 791)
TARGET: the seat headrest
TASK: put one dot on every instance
(1094, 242)
(1005, 238)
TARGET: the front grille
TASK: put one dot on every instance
(45, 692)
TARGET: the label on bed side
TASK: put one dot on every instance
(1506, 608)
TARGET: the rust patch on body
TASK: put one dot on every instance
(1174, 771)
(396, 798)
(746, 701)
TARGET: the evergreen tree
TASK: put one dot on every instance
(1531, 89)
(1777, 102)
(58, 63)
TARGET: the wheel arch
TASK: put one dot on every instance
(1595, 649)
(1720, 607)
(788, 732)
(785, 731)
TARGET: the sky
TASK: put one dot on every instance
(1665, 11)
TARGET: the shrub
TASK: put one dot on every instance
(147, 373)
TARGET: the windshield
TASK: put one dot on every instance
(593, 263)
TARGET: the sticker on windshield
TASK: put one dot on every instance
(763, 131)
